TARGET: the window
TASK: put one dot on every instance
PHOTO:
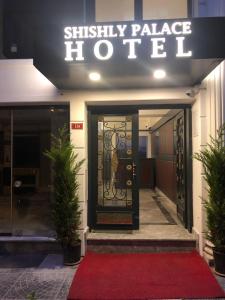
(143, 144)
(116, 10)
(208, 8)
(164, 9)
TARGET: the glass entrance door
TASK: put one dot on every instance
(31, 172)
(115, 183)
(5, 173)
(25, 172)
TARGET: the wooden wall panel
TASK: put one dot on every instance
(166, 139)
(147, 173)
(166, 178)
(163, 150)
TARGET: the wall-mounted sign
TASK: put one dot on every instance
(77, 125)
(128, 41)
(127, 53)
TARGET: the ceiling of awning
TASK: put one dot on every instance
(131, 75)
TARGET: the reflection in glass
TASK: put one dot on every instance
(5, 172)
(25, 197)
(32, 169)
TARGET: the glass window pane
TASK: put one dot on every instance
(115, 161)
(5, 172)
(164, 9)
(116, 10)
(32, 169)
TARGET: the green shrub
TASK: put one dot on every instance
(212, 158)
(66, 212)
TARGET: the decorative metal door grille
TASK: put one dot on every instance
(115, 168)
(180, 167)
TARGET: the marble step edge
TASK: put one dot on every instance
(209, 244)
(208, 250)
(143, 242)
(27, 239)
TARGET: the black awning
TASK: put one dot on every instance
(186, 49)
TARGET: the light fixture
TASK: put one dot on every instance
(94, 76)
(159, 74)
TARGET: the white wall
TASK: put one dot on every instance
(20, 81)
(207, 116)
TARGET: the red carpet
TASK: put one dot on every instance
(144, 276)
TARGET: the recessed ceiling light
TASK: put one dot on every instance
(94, 76)
(159, 74)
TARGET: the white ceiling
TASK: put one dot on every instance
(148, 118)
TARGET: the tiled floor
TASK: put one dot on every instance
(50, 280)
(221, 281)
(158, 220)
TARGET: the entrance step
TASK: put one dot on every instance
(138, 245)
(28, 245)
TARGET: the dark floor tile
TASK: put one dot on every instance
(66, 285)
(45, 284)
(21, 261)
(52, 261)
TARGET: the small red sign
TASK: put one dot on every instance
(76, 125)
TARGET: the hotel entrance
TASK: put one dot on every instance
(25, 172)
(139, 167)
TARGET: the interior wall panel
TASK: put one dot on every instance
(163, 150)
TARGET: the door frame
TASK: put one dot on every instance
(188, 153)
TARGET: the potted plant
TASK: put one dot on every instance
(212, 158)
(65, 207)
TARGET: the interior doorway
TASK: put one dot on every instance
(163, 168)
(25, 172)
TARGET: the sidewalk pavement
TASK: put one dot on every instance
(34, 277)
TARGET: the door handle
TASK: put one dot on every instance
(134, 170)
(17, 183)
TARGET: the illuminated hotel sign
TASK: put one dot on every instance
(131, 41)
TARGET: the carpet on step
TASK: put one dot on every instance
(144, 276)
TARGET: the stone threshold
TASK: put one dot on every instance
(143, 242)
(26, 239)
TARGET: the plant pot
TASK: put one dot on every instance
(219, 260)
(72, 254)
